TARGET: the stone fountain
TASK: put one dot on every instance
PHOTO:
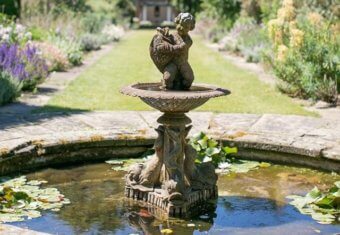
(171, 180)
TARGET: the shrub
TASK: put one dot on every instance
(112, 33)
(55, 58)
(35, 66)
(224, 11)
(94, 23)
(246, 38)
(9, 88)
(14, 34)
(70, 47)
(38, 34)
(306, 54)
(11, 61)
(26, 65)
(90, 42)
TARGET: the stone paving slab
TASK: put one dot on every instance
(306, 136)
(6, 229)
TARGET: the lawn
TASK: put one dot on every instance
(128, 62)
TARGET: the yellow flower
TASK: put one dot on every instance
(335, 28)
(314, 18)
(335, 31)
(273, 26)
(296, 37)
(286, 3)
(278, 37)
(282, 51)
(286, 13)
(292, 25)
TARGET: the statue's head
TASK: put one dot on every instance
(185, 22)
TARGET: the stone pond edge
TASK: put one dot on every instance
(32, 154)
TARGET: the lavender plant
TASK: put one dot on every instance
(35, 67)
(25, 65)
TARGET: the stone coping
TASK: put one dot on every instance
(38, 140)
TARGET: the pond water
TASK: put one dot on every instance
(248, 203)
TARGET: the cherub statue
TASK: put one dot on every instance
(170, 53)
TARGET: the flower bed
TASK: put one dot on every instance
(26, 58)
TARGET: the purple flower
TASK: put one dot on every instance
(23, 64)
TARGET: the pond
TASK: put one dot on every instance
(248, 203)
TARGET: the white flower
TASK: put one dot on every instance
(113, 32)
(224, 165)
(7, 29)
(5, 37)
(19, 28)
(207, 159)
(28, 35)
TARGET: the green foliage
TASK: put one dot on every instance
(311, 70)
(70, 47)
(224, 11)
(10, 7)
(269, 9)
(209, 150)
(188, 6)
(38, 33)
(90, 42)
(20, 199)
(322, 206)
(94, 23)
(74, 5)
(9, 88)
(248, 39)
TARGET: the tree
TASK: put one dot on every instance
(191, 6)
(11, 7)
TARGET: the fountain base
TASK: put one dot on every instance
(193, 199)
(171, 180)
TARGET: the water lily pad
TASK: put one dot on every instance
(244, 166)
(25, 200)
(321, 206)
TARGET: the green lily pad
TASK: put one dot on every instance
(324, 207)
(25, 200)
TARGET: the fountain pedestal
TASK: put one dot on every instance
(170, 179)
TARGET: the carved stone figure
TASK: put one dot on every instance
(171, 180)
(170, 53)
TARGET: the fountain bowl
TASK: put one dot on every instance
(173, 101)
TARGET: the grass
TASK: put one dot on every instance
(98, 87)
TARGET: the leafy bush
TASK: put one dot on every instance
(306, 54)
(90, 42)
(14, 34)
(70, 47)
(55, 58)
(26, 65)
(10, 88)
(35, 67)
(224, 11)
(145, 24)
(38, 33)
(94, 23)
(246, 38)
(112, 33)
